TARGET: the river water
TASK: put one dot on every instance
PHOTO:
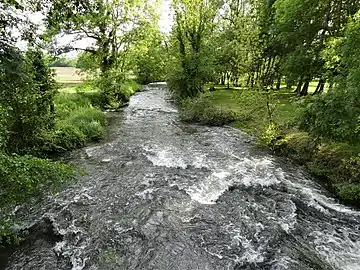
(160, 194)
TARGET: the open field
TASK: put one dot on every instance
(67, 76)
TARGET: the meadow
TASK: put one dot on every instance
(68, 77)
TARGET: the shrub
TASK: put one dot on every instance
(334, 115)
(268, 136)
(77, 122)
(349, 192)
(201, 110)
(23, 177)
(115, 89)
(27, 91)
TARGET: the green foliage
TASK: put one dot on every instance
(63, 62)
(112, 27)
(28, 88)
(22, 178)
(332, 115)
(148, 57)
(201, 110)
(25, 176)
(336, 115)
(191, 54)
(115, 89)
(77, 122)
(349, 192)
(268, 136)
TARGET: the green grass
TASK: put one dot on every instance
(78, 88)
(203, 110)
(77, 122)
(250, 106)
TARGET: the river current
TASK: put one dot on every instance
(160, 194)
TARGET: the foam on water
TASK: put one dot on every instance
(338, 248)
(166, 158)
(210, 189)
(161, 194)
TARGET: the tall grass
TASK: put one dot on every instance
(77, 122)
(201, 110)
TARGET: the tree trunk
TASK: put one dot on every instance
(289, 83)
(248, 80)
(278, 83)
(236, 81)
(222, 79)
(320, 87)
(228, 80)
(304, 91)
(298, 88)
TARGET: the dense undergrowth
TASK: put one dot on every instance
(77, 122)
(25, 177)
(337, 163)
(22, 179)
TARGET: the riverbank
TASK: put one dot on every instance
(24, 178)
(337, 164)
(78, 120)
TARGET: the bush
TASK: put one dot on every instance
(115, 89)
(334, 115)
(201, 110)
(23, 177)
(349, 192)
(77, 122)
(27, 91)
(268, 136)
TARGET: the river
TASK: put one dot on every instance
(160, 194)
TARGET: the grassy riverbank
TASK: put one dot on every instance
(78, 120)
(338, 164)
(27, 177)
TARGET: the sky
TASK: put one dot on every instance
(165, 22)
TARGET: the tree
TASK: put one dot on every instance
(111, 27)
(191, 52)
(336, 115)
(26, 82)
(148, 57)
